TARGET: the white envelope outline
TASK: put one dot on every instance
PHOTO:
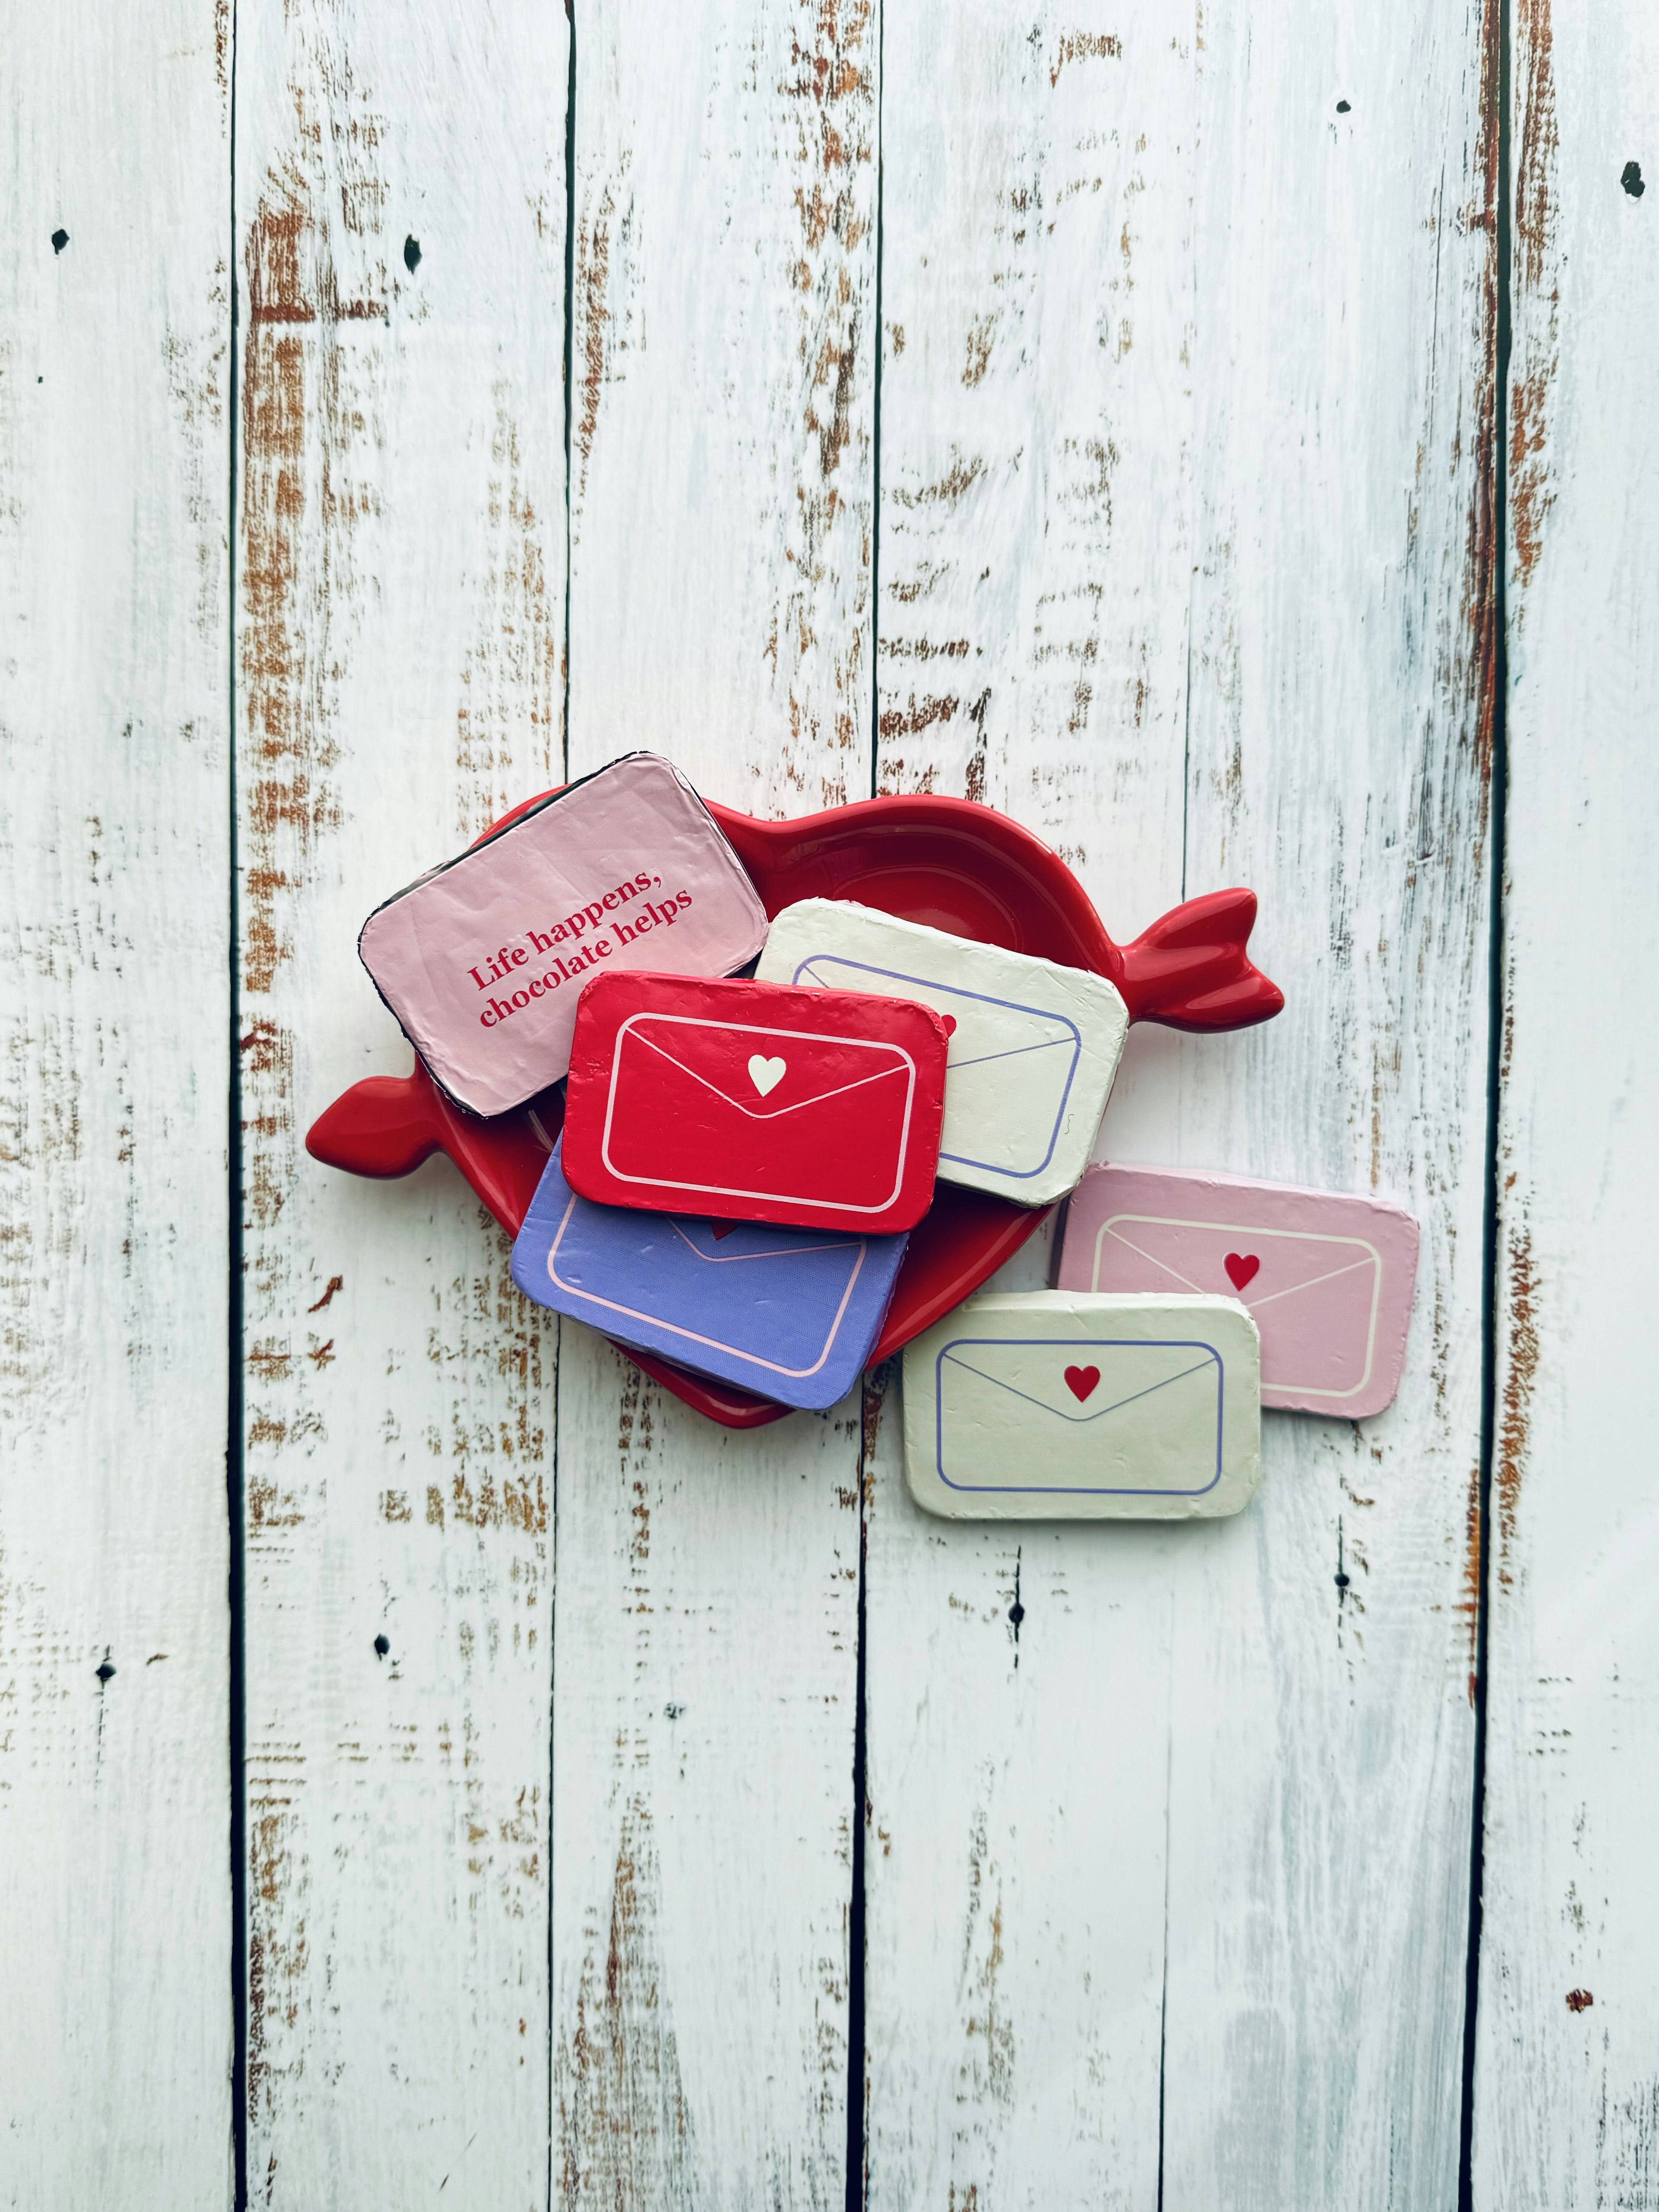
(860, 1245)
(1369, 1257)
(633, 1026)
(927, 989)
(953, 1351)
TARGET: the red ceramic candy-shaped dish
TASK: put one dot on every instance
(945, 862)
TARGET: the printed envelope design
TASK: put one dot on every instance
(792, 1313)
(683, 1095)
(755, 1101)
(1072, 1404)
(1034, 1045)
(1097, 1416)
(1315, 1296)
(996, 1042)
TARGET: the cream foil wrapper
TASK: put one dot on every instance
(1034, 1046)
(1065, 1405)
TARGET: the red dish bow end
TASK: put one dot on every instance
(1190, 970)
(388, 1124)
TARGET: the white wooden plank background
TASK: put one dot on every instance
(1098, 415)
(1332, 745)
(1322, 1725)
(399, 621)
(116, 2029)
(1568, 2104)
(1036, 579)
(706, 1644)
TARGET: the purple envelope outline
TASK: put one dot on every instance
(927, 983)
(1076, 1344)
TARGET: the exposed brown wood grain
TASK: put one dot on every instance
(721, 531)
(1537, 152)
(399, 683)
(297, 434)
(1565, 2089)
(115, 2033)
(624, 2131)
(1521, 1371)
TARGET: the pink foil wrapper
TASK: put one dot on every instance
(482, 960)
(1327, 1277)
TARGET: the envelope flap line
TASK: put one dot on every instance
(627, 1313)
(1150, 1258)
(1308, 1283)
(922, 984)
(1059, 1410)
(777, 1114)
(1312, 1282)
(783, 1251)
(1013, 1052)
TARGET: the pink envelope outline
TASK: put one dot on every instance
(1332, 1303)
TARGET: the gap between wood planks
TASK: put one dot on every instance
(874, 1387)
(1495, 90)
(1498, 462)
(564, 769)
(234, 1470)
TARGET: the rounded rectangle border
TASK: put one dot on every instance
(761, 1029)
(924, 984)
(692, 1336)
(1079, 1344)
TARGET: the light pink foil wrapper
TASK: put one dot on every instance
(484, 960)
(1327, 1277)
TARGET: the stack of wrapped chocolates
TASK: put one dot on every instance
(750, 1105)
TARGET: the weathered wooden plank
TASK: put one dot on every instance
(1342, 580)
(1322, 1733)
(702, 1739)
(1036, 419)
(721, 510)
(1018, 1695)
(115, 2036)
(1036, 309)
(399, 614)
(721, 455)
(1567, 2102)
